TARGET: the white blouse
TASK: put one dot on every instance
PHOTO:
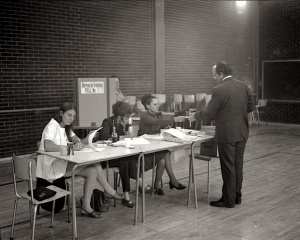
(48, 167)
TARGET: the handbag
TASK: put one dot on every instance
(41, 193)
(99, 202)
(60, 202)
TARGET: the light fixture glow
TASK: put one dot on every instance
(241, 3)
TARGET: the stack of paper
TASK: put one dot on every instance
(175, 135)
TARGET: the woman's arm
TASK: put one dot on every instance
(50, 146)
(149, 120)
(105, 132)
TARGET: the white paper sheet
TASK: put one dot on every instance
(139, 141)
(90, 139)
(97, 149)
(154, 137)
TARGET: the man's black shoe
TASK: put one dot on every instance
(220, 203)
(238, 201)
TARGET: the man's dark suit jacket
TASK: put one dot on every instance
(229, 106)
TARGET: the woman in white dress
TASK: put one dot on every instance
(55, 136)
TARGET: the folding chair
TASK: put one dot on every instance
(260, 108)
(207, 152)
(24, 169)
(177, 102)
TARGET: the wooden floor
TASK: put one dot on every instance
(270, 208)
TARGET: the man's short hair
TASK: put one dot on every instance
(224, 68)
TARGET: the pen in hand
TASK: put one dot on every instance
(80, 145)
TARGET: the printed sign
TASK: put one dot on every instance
(92, 87)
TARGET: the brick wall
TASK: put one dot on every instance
(283, 112)
(201, 33)
(280, 40)
(46, 45)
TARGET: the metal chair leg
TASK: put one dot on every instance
(69, 211)
(208, 176)
(14, 218)
(190, 181)
(52, 214)
(153, 173)
(68, 202)
(33, 222)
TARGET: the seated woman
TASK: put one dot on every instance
(150, 123)
(122, 111)
(55, 136)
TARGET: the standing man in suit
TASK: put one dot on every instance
(229, 106)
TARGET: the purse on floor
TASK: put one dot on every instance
(99, 202)
(41, 193)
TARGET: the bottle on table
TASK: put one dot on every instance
(114, 135)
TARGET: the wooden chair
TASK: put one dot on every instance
(180, 120)
(177, 102)
(189, 101)
(260, 108)
(24, 169)
(131, 101)
(140, 106)
(200, 98)
(207, 99)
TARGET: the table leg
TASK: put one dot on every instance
(190, 178)
(153, 173)
(144, 206)
(195, 189)
(74, 223)
(137, 188)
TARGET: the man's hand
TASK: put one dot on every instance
(179, 119)
(192, 117)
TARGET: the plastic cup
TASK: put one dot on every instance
(63, 150)
(127, 142)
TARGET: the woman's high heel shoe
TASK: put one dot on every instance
(92, 214)
(159, 192)
(128, 203)
(179, 187)
(147, 189)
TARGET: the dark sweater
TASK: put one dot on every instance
(152, 123)
(107, 128)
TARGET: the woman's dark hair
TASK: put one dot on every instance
(224, 68)
(121, 109)
(146, 100)
(63, 108)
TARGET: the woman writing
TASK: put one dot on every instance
(55, 136)
(151, 123)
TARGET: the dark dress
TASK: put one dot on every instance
(151, 124)
(126, 165)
